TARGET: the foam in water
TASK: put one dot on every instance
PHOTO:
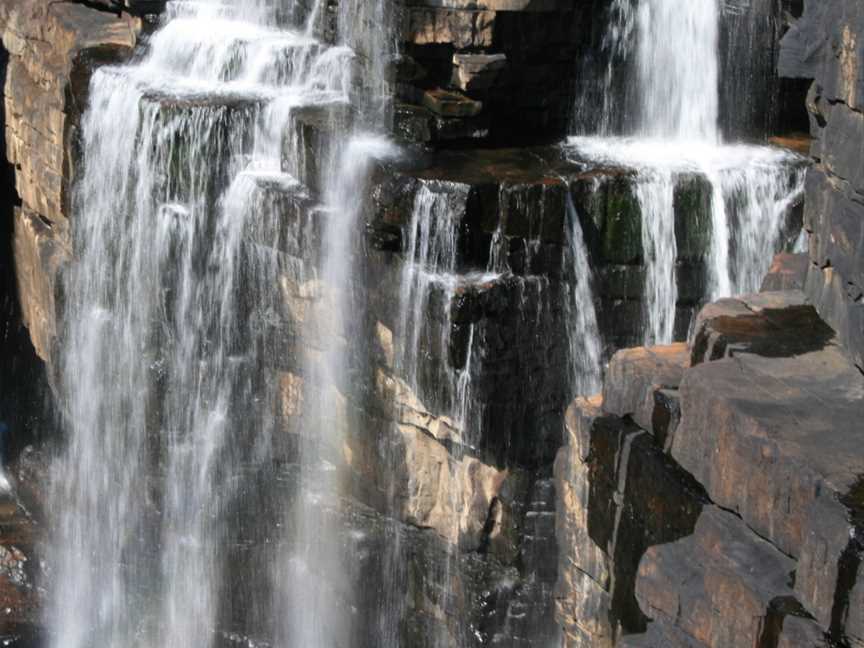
(166, 398)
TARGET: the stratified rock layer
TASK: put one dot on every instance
(827, 45)
(762, 410)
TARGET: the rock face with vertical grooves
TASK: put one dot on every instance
(826, 45)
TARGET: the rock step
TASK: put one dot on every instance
(643, 383)
(313, 142)
(522, 194)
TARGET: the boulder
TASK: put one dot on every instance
(477, 73)
(769, 324)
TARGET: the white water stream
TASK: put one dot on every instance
(167, 405)
(675, 135)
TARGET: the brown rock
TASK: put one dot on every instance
(641, 383)
(771, 324)
(451, 104)
(787, 272)
(717, 585)
(757, 434)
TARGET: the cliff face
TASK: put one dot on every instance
(827, 46)
(675, 506)
(51, 49)
(710, 496)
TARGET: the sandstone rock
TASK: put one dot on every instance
(42, 248)
(771, 324)
(582, 594)
(801, 632)
(827, 45)
(618, 495)
(753, 431)
(473, 73)
(461, 28)
(829, 579)
(660, 635)
(53, 49)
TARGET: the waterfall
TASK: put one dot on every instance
(168, 401)
(583, 334)
(670, 50)
(677, 64)
(655, 193)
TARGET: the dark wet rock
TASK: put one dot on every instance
(313, 140)
(412, 123)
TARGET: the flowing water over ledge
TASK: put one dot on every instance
(168, 400)
(186, 415)
(669, 50)
(752, 188)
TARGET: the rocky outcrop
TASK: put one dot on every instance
(52, 48)
(756, 424)
(827, 45)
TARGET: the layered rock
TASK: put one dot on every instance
(511, 61)
(52, 49)
(827, 45)
(761, 410)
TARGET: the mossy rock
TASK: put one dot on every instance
(621, 234)
(692, 205)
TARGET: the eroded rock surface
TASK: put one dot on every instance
(768, 425)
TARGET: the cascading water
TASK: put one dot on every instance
(671, 48)
(168, 405)
(676, 53)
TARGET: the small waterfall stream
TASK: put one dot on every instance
(670, 49)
